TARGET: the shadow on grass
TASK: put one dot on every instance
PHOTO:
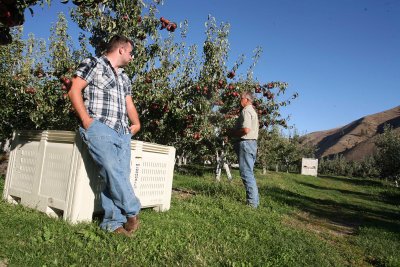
(391, 197)
(353, 181)
(349, 215)
(194, 170)
(343, 191)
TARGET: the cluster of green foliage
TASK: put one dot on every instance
(385, 163)
(388, 155)
(280, 152)
(302, 221)
(338, 165)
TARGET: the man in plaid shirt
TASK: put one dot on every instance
(105, 111)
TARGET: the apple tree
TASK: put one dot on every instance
(270, 143)
(34, 81)
(16, 94)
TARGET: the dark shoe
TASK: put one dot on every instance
(132, 224)
(122, 231)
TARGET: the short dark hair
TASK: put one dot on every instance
(116, 41)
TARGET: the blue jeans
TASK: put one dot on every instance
(112, 153)
(246, 150)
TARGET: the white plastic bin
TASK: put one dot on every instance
(309, 166)
(53, 172)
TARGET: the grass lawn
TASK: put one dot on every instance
(302, 221)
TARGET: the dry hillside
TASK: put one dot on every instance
(356, 139)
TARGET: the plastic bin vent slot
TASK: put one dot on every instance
(25, 167)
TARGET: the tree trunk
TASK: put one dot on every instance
(264, 171)
(181, 159)
(218, 169)
(221, 163)
(5, 145)
(276, 167)
(228, 171)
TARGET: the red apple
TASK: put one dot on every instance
(270, 95)
(147, 79)
(196, 135)
(154, 106)
(67, 81)
(172, 26)
(189, 118)
(164, 21)
(6, 14)
(231, 74)
(163, 25)
(165, 109)
(39, 73)
(30, 90)
(257, 89)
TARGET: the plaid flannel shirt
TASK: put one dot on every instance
(104, 97)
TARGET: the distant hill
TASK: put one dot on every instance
(356, 139)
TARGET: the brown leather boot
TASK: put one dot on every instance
(132, 224)
(121, 231)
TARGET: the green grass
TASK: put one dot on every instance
(302, 221)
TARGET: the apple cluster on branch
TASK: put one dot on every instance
(10, 16)
(66, 83)
(166, 24)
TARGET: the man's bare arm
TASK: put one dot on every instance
(132, 115)
(75, 95)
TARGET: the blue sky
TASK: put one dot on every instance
(342, 56)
